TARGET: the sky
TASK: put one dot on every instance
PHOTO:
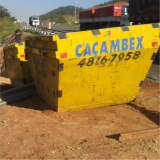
(23, 9)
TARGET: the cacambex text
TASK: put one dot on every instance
(116, 46)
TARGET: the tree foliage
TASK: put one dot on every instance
(111, 2)
(57, 14)
(54, 14)
(60, 19)
(7, 26)
(5, 14)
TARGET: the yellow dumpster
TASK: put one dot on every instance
(16, 65)
(89, 69)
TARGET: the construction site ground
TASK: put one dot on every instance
(30, 129)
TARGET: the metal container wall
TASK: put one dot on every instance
(89, 13)
(90, 69)
(16, 65)
(144, 11)
(112, 10)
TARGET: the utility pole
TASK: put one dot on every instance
(75, 9)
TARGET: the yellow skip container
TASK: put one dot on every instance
(89, 69)
(16, 65)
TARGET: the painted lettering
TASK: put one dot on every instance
(94, 47)
(124, 44)
(132, 43)
(115, 46)
(118, 45)
(87, 50)
(140, 42)
(104, 48)
(77, 50)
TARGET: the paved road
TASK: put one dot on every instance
(153, 73)
(64, 29)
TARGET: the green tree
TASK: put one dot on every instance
(112, 1)
(68, 10)
(4, 13)
(61, 20)
(7, 26)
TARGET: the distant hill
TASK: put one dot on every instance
(67, 13)
(111, 2)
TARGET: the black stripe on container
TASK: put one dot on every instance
(62, 36)
(155, 25)
(59, 94)
(61, 67)
(21, 63)
(96, 32)
(153, 56)
(20, 44)
(24, 81)
(125, 28)
(140, 85)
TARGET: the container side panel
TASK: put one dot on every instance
(45, 72)
(17, 65)
(93, 68)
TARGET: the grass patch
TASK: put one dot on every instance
(64, 25)
(7, 27)
(67, 26)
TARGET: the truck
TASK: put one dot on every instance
(121, 14)
(86, 19)
(112, 15)
(143, 11)
(34, 21)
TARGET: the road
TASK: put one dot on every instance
(153, 73)
(63, 29)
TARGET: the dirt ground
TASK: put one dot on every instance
(30, 129)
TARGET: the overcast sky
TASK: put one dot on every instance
(23, 9)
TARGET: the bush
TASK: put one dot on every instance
(61, 20)
(4, 13)
(7, 27)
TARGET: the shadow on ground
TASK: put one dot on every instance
(4, 87)
(156, 60)
(33, 102)
(115, 136)
(152, 115)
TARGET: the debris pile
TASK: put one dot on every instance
(14, 38)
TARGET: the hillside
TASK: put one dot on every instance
(5, 14)
(65, 13)
(6, 23)
(111, 2)
(70, 19)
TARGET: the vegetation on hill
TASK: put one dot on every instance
(70, 19)
(7, 26)
(57, 14)
(111, 2)
(61, 14)
(5, 14)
